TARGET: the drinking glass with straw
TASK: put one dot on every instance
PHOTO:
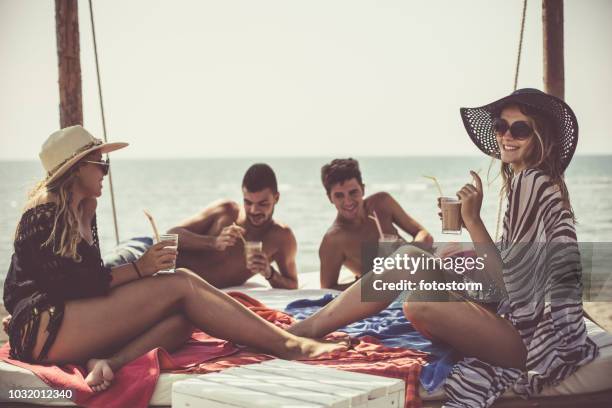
(171, 238)
(435, 180)
(386, 242)
(250, 247)
(239, 234)
(451, 210)
(153, 224)
(378, 227)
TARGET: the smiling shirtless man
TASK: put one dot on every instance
(342, 243)
(210, 242)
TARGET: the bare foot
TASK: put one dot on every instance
(309, 349)
(100, 374)
(5, 323)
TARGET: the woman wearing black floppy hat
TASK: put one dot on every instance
(535, 336)
(537, 263)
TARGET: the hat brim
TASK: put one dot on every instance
(478, 122)
(103, 148)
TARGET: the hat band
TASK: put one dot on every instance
(96, 142)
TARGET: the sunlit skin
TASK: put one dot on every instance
(473, 329)
(341, 245)
(168, 306)
(514, 151)
(87, 188)
(211, 245)
(347, 197)
(259, 206)
(90, 177)
(258, 210)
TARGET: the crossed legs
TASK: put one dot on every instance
(160, 311)
(170, 333)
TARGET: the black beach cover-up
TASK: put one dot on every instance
(39, 280)
(542, 274)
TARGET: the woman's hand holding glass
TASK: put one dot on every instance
(158, 257)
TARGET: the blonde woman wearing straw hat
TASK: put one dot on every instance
(67, 307)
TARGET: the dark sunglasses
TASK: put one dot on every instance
(104, 164)
(519, 130)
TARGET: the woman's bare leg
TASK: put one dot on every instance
(93, 325)
(170, 333)
(471, 329)
(348, 307)
(467, 326)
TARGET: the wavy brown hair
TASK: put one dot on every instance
(339, 171)
(65, 236)
(543, 152)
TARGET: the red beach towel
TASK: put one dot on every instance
(134, 383)
(367, 355)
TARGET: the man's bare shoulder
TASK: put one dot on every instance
(280, 231)
(379, 198)
(281, 236)
(381, 202)
(201, 221)
(223, 207)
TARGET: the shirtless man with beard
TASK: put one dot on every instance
(210, 242)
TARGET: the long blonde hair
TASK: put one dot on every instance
(65, 236)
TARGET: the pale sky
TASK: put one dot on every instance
(295, 78)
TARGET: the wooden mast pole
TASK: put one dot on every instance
(69, 71)
(69, 62)
(554, 65)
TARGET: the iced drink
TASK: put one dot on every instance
(251, 248)
(451, 215)
(174, 239)
(387, 244)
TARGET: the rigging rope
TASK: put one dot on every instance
(520, 45)
(516, 74)
(110, 177)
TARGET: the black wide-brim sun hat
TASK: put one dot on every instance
(479, 121)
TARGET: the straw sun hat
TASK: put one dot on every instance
(479, 121)
(64, 148)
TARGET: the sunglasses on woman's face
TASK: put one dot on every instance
(519, 130)
(104, 164)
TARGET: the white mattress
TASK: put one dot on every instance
(596, 376)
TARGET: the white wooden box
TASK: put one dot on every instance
(287, 384)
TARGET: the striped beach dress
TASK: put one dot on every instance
(543, 298)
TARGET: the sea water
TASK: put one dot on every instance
(173, 190)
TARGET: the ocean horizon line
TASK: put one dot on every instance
(273, 157)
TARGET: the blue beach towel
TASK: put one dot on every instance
(393, 330)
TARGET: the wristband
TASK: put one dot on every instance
(136, 269)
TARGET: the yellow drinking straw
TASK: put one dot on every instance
(435, 180)
(152, 221)
(375, 218)
(241, 237)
